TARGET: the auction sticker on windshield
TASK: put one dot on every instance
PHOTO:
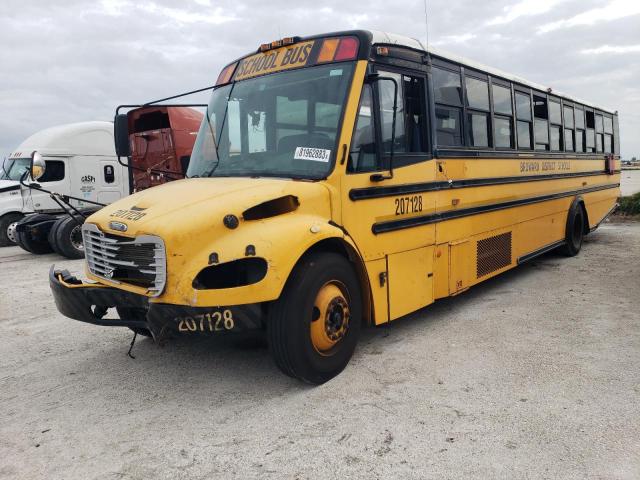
(315, 154)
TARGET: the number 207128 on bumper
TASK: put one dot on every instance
(90, 303)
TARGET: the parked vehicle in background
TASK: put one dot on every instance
(80, 160)
(82, 173)
(161, 139)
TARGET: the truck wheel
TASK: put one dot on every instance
(8, 221)
(52, 236)
(27, 242)
(68, 238)
(574, 231)
(314, 326)
(134, 314)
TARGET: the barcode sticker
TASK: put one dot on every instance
(314, 154)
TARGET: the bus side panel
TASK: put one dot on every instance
(377, 272)
(460, 262)
(599, 204)
(410, 280)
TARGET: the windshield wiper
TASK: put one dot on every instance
(6, 174)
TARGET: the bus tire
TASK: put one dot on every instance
(574, 233)
(313, 328)
(5, 222)
(68, 238)
(126, 313)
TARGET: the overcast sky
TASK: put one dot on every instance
(72, 60)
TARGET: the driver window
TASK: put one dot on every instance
(410, 145)
(387, 89)
(54, 171)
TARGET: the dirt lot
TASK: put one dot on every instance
(535, 374)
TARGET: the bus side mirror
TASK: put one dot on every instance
(121, 135)
(37, 166)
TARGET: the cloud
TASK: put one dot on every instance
(523, 8)
(612, 11)
(72, 60)
(454, 39)
(619, 49)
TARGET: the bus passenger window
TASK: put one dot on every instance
(478, 112)
(568, 128)
(580, 136)
(555, 129)
(448, 126)
(523, 120)
(503, 112)
(541, 125)
(591, 132)
(362, 157)
(447, 88)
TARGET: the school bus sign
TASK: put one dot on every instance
(284, 58)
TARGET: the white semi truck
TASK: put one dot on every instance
(82, 173)
(80, 162)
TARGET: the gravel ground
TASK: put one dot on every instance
(531, 375)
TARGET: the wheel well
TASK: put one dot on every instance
(12, 213)
(585, 226)
(339, 246)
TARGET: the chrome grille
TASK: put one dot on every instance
(139, 261)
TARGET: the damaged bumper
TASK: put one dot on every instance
(90, 302)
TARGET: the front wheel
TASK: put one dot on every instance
(7, 228)
(313, 327)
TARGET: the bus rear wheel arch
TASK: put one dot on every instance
(313, 328)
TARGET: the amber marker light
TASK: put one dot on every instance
(328, 50)
(225, 75)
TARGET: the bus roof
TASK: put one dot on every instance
(385, 38)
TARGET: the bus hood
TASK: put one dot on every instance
(199, 205)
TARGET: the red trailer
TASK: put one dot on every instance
(161, 138)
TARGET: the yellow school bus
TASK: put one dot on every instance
(345, 180)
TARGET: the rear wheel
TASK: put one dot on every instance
(68, 238)
(27, 241)
(52, 237)
(574, 232)
(314, 326)
(7, 228)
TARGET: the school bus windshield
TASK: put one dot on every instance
(284, 125)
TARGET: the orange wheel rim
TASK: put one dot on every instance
(330, 318)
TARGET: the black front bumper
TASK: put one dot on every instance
(89, 303)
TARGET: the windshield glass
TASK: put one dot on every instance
(13, 169)
(283, 125)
